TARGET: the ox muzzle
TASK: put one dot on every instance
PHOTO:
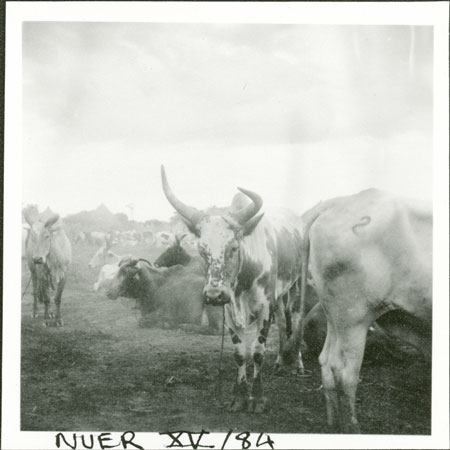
(216, 295)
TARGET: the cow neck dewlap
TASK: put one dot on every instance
(57, 260)
(237, 317)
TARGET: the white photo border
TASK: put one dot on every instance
(397, 13)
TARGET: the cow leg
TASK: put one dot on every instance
(240, 389)
(257, 400)
(282, 324)
(35, 294)
(328, 381)
(353, 341)
(58, 295)
(291, 352)
(296, 340)
(341, 361)
(43, 289)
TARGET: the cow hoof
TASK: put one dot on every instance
(303, 373)
(257, 405)
(351, 428)
(238, 405)
(280, 370)
(59, 323)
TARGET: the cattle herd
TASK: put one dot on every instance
(340, 269)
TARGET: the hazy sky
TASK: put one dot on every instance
(298, 113)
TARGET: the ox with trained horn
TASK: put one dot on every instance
(253, 260)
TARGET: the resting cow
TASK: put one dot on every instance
(104, 255)
(252, 263)
(49, 254)
(169, 295)
(176, 254)
(106, 275)
(369, 253)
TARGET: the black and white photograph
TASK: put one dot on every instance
(233, 225)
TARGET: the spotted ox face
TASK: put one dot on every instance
(219, 239)
(219, 246)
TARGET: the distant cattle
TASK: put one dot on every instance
(130, 238)
(253, 262)
(80, 237)
(97, 238)
(49, 254)
(148, 237)
(171, 295)
(369, 254)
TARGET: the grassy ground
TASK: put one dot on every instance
(102, 372)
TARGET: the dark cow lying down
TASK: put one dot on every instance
(172, 296)
(382, 340)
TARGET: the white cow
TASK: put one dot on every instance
(105, 255)
(369, 253)
(106, 275)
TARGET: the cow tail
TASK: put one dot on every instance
(312, 217)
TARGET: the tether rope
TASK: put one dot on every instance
(25, 291)
(218, 392)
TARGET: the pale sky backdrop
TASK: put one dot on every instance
(297, 113)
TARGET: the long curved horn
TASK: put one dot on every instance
(245, 214)
(188, 212)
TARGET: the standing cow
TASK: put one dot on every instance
(49, 254)
(252, 262)
(370, 253)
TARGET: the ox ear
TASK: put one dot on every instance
(249, 227)
(191, 227)
(29, 217)
(51, 223)
(126, 260)
(52, 220)
(179, 238)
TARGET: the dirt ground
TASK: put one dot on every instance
(101, 371)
